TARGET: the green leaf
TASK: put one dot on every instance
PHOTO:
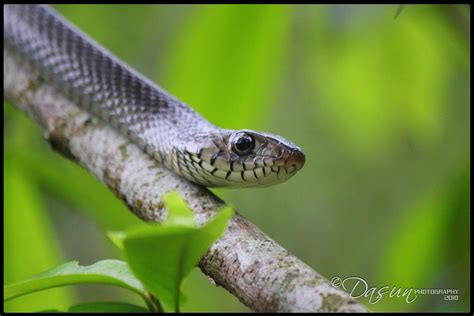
(178, 212)
(112, 272)
(102, 307)
(162, 256)
(107, 307)
(117, 238)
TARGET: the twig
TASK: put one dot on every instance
(259, 272)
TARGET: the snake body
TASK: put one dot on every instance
(163, 126)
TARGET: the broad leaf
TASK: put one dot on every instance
(112, 272)
(178, 212)
(162, 256)
(107, 307)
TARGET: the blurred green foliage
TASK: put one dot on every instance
(380, 106)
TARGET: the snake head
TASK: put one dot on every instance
(240, 158)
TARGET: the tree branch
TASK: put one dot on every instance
(253, 267)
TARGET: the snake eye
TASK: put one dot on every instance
(243, 144)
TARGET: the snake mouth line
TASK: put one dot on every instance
(200, 170)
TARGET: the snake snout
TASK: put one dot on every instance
(296, 159)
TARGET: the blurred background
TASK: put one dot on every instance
(380, 105)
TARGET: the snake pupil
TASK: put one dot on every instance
(243, 144)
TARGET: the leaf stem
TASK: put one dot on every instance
(153, 303)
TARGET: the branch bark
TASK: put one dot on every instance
(259, 272)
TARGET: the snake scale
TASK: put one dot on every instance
(164, 127)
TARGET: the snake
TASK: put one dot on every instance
(167, 129)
